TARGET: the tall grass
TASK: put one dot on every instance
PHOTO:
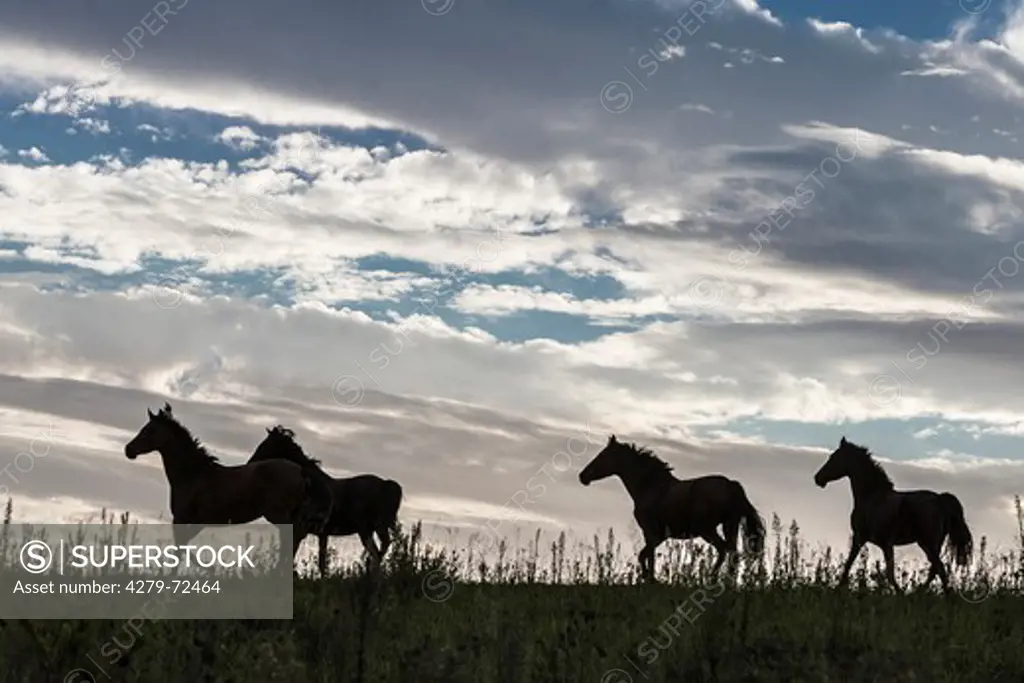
(548, 612)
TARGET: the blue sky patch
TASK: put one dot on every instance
(148, 132)
(890, 439)
(919, 19)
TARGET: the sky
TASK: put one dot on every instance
(450, 242)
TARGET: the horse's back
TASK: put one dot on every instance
(709, 482)
(917, 497)
(364, 479)
(902, 517)
(711, 496)
(359, 500)
(360, 485)
(717, 478)
(278, 473)
(242, 493)
(276, 465)
(917, 493)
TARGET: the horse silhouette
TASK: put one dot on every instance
(364, 504)
(667, 507)
(887, 518)
(205, 492)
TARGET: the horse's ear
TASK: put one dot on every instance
(268, 430)
(167, 407)
(150, 413)
(842, 441)
(612, 439)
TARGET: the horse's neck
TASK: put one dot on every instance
(866, 488)
(266, 451)
(269, 453)
(181, 468)
(641, 481)
(257, 455)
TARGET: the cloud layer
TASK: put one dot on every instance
(443, 254)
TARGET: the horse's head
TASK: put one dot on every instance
(154, 435)
(280, 443)
(839, 463)
(607, 463)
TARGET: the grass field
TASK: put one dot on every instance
(549, 613)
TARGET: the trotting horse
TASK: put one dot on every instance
(364, 504)
(888, 518)
(206, 493)
(666, 507)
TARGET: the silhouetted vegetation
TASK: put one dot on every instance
(546, 612)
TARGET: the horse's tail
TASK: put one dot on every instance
(390, 500)
(318, 501)
(960, 539)
(753, 523)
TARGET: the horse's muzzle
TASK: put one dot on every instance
(820, 482)
(585, 482)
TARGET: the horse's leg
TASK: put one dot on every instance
(714, 538)
(646, 558)
(371, 547)
(281, 518)
(931, 576)
(732, 532)
(646, 555)
(855, 547)
(321, 558)
(304, 517)
(931, 566)
(890, 566)
(183, 533)
(940, 568)
(385, 540)
(297, 538)
(934, 554)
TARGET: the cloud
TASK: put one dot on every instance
(239, 137)
(156, 134)
(33, 154)
(846, 31)
(697, 107)
(93, 126)
(752, 7)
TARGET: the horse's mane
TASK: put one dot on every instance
(198, 448)
(874, 471)
(297, 454)
(646, 458)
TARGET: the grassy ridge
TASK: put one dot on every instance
(441, 615)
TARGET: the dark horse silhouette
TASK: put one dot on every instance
(206, 493)
(364, 504)
(888, 518)
(666, 507)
